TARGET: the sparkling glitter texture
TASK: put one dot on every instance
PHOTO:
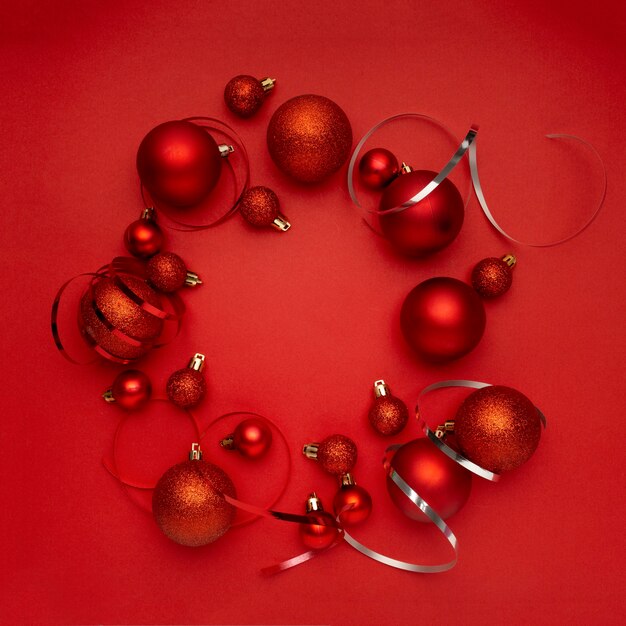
(309, 138)
(188, 504)
(337, 454)
(244, 95)
(122, 313)
(186, 387)
(166, 271)
(259, 206)
(498, 428)
(491, 277)
(388, 415)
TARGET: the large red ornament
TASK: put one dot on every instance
(188, 503)
(106, 300)
(497, 428)
(252, 438)
(131, 390)
(427, 226)
(440, 481)
(309, 138)
(442, 319)
(179, 163)
(377, 168)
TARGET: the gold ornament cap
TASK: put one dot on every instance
(225, 150)
(149, 213)
(510, 260)
(405, 168)
(280, 223)
(310, 450)
(192, 279)
(381, 389)
(195, 453)
(347, 480)
(313, 504)
(267, 84)
(443, 429)
(228, 443)
(197, 362)
(108, 395)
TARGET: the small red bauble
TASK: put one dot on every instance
(492, 277)
(131, 390)
(188, 503)
(427, 226)
(168, 273)
(245, 94)
(252, 438)
(377, 168)
(352, 503)
(442, 319)
(318, 536)
(144, 238)
(388, 415)
(179, 163)
(336, 454)
(497, 428)
(259, 206)
(440, 481)
(309, 138)
(186, 387)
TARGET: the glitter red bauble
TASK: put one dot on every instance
(318, 536)
(244, 95)
(427, 226)
(131, 389)
(188, 504)
(337, 454)
(252, 438)
(377, 168)
(497, 428)
(442, 319)
(166, 271)
(186, 387)
(179, 163)
(388, 415)
(143, 238)
(492, 277)
(353, 504)
(123, 314)
(259, 206)
(309, 138)
(440, 481)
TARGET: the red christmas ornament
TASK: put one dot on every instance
(436, 478)
(179, 163)
(492, 277)
(106, 300)
(336, 454)
(131, 390)
(442, 319)
(143, 237)
(186, 387)
(259, 206)
(497, 428)
(188, 502)
(352, 503)
(377, 168)
(252, 438)
(168, 273)
(317, 536)
(388, 415)
(244, 94)
(309, 138)
(427, 226)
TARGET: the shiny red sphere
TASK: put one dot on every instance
(427, 226)
(252, 438)
(318, 536)
(440, 481)
(442, 319)
(356, 502)
(377, 168)
(131, 389)
(143, 238)
(179, 163)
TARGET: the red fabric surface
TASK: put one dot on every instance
(297, 326)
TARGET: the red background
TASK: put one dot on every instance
(298, 326)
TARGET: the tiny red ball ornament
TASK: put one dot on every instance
(131, 390)
(252, 438)
(440, 481)
(388, 415)
(492, 277)
(318, 536)
(309, 138)
(168, 273)
(377, 168)
(497, 428)
(336, 454)
(186, 387)
(442, 319)
(245, 94)
(260, 207)
(425, 227)
(179, 163)
(143, 237)
(352, 503)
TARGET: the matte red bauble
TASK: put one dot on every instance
(377, 168)
(143, 238)
(123, 314)
(309, 138)
(179, 163)
(252, 438)
(427, 226)
(440, 481)
(188, 504)
(131, 390)
(318, 536)
(352, 503)
(497, 428)
(442, 319)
